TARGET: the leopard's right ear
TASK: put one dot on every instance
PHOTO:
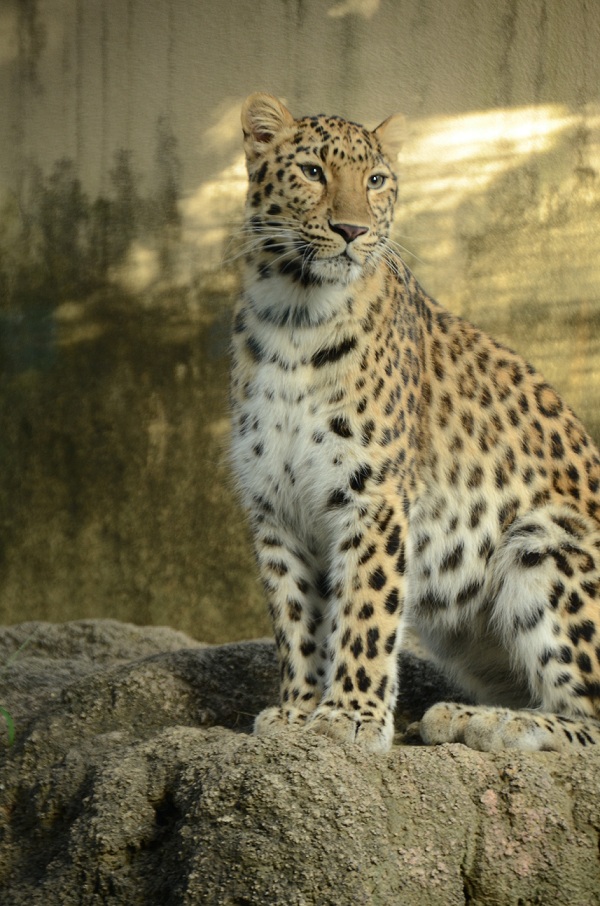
(392, 135)
(263, 117)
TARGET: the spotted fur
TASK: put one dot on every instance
(400, 468)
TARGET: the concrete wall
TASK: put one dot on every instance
(121, 184)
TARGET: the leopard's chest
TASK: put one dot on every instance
(287, 453)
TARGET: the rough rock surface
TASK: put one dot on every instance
(133, 780)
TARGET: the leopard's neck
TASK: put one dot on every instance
(280, 300)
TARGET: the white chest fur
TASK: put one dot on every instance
(283, 448)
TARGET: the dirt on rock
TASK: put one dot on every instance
(133, 780)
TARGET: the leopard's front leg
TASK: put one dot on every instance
(296, 589)
(366, 600)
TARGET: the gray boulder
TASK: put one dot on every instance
(133, 780)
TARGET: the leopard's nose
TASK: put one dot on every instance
(348, 231)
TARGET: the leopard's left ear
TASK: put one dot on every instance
(392, 135)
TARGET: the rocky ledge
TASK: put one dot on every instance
(133, 780)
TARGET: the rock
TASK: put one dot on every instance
(133, 780)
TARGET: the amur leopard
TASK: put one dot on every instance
(400, 468)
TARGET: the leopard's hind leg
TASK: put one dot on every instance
(545, 611)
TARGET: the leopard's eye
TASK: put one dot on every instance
(376, 180)
(313, 172)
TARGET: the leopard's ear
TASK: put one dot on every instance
(263, 117)
(392, 135)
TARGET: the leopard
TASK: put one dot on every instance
(402, 471)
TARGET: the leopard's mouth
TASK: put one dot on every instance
(347, 257)
(340, 268)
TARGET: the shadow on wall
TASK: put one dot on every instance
(114, 323)
(115, 492)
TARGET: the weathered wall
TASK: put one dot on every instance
(121, 182)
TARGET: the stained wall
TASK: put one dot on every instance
(121, 185)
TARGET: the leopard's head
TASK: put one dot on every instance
(321, 193)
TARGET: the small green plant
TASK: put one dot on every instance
(8, 719)
(10, 725)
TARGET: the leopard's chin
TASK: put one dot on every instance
(341, 269)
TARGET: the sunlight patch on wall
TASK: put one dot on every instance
(75, 324)
(364, 8)
(226, 129)
(213, 215)
(446, 159)
(140, 270)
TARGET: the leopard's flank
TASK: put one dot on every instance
(400, 468)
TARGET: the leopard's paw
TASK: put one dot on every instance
(444, 722)
(488, 729)
(370, 733)
(274, 721)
